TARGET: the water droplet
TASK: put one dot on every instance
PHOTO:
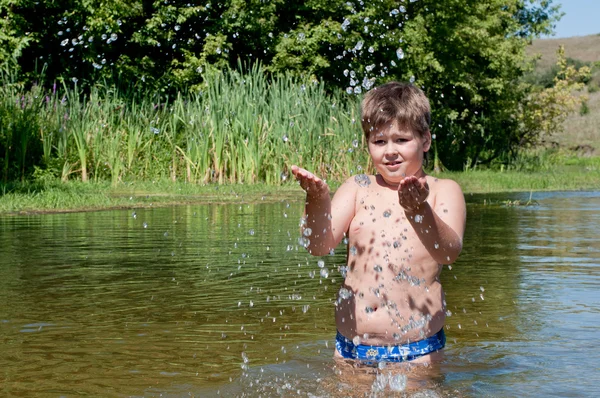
(113, 36)
(251, 232)
(344, 293)
(145, 225)
(436, 245)
(353, 250)
(345, 24)
(387, 213)
(321, 263)
(285, 138)
(397, 244)
(397, 382)
(356, 340)
(380, 383)
(324, 273)
(369, 310)
(400, 53)
(362, 180)
(134, 215)
(355, 143)
(377, 268)
(307, 232)
(418, 218)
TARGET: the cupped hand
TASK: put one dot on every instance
(413, 192)
(313, 185)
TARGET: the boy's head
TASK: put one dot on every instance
(401, 103)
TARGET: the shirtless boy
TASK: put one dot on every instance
(401, 225)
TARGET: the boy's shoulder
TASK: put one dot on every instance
(444, 188)
(352, 186)
(441, 181)
(360, 181)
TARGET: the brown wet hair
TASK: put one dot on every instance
(402, 103)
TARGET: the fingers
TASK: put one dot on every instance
(412, 192)
(308, 181)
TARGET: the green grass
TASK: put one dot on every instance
(53, 196)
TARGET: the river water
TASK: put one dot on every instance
(220, 300)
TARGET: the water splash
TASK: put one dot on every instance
(362, 180)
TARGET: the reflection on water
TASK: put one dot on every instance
(221, 301)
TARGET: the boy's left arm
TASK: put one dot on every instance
(440, 229)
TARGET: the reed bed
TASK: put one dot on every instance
(241, 127)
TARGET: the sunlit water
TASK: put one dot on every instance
(220, 300)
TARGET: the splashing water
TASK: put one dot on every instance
(397, 382)
(345, 293)
(362, 180)
(324, 273)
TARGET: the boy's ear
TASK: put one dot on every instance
(427, 141)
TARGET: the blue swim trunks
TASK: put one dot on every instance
(391, 353)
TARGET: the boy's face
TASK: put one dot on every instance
(397, 152)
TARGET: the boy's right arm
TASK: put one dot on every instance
(326, 220)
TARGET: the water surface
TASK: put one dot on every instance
(220, 300)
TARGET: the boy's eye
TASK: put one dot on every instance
(379, 142)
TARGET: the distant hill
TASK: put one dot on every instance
(581, 129)
(583, 48)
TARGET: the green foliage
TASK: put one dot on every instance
(469, 56)
(584, 109)
(240, 128)
(545, 110)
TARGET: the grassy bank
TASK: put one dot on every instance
(76, 196)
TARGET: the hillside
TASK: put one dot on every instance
(583, 48)
(580, 130)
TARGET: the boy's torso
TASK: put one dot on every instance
(395, 291)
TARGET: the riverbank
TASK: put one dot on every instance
(57, 197)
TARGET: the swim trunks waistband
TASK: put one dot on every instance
(391, 353)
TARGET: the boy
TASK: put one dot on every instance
(401, 226)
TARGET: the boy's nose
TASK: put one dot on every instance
(391, 150)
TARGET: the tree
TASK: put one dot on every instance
(468, 55)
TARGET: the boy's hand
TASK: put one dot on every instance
(313, 185)
(412, 193)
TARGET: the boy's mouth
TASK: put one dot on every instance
(394, 163)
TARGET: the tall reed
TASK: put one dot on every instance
(242, 127)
